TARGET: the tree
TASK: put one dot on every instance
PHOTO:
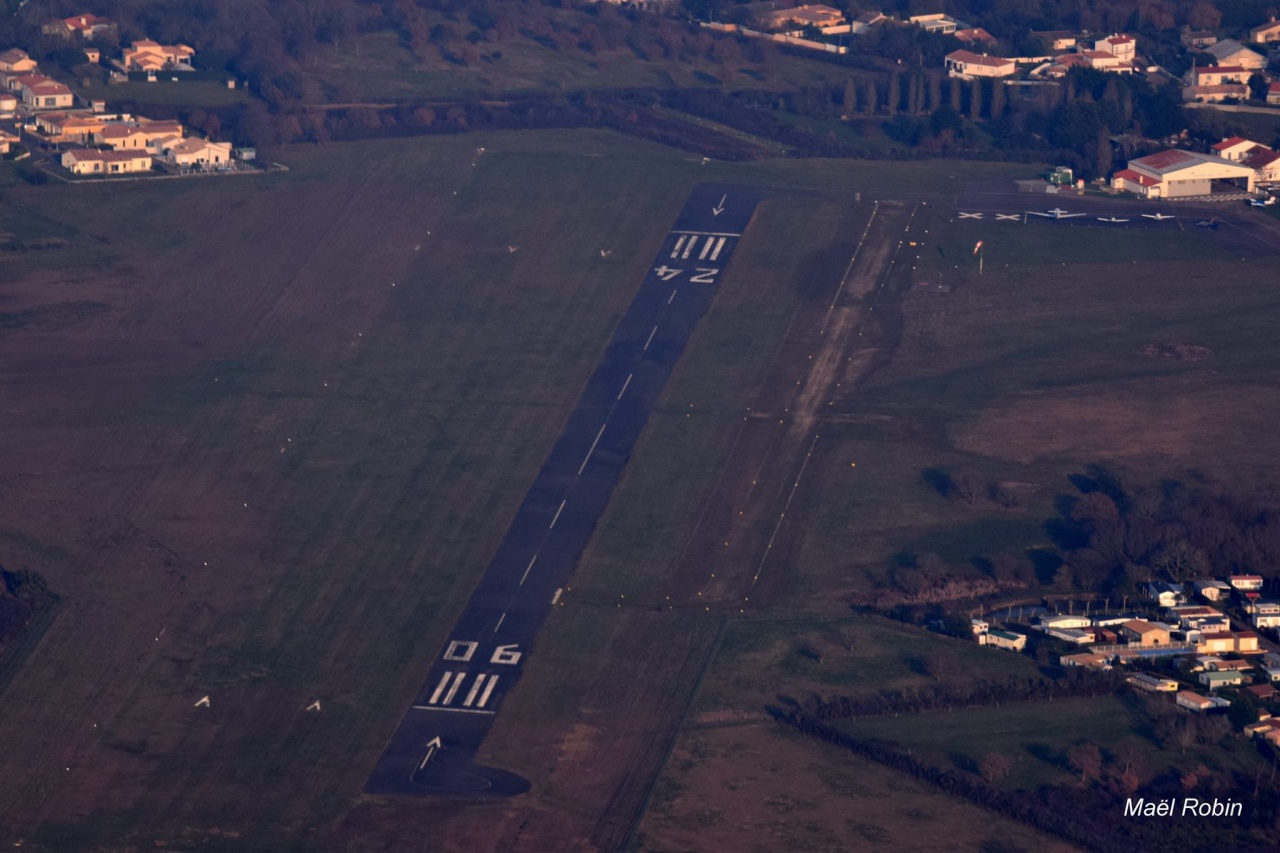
(1086, 759)
(1258, 84)
(994, 766)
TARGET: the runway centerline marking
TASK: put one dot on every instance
(651, 334)
(588, 458)
(707, 233)
(527, 568)
(672, 296)
(499, 625)
(624, 386)
(560, 510)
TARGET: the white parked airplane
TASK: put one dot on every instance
(1111, 219)
(1055, 213)
(1158, 217)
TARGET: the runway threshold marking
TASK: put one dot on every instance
(707, 234)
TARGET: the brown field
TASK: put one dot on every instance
(758, 788)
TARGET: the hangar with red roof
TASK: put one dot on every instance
(1177, 174)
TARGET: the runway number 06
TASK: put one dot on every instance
(505, 654)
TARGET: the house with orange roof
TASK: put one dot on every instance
(147, 55)
(967, 65)
(15, 61)
(87, 27)
(94, 161)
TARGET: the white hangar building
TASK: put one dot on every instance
(1176, 174)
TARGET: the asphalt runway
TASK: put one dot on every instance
(431, 752)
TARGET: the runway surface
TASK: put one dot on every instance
(431, 752)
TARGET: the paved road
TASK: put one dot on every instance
(431, 752)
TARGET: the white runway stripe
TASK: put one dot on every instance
(688, 247)
(679, 245)
(719, 246)
(435, 696)
(484, 697)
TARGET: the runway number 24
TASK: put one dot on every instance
(462, 651)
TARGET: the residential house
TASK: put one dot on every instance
(1165, 594)
(1199, 703)
(197, 152)
(1246, 583)
(1006, 639)
(1057, 39)
(1231, 52)
(968, 65)
(975, 36)
(63, 127)
(1212, 590)
(980, 626)
(1102, 635)
(1273, 94)
(122, 136)
(91, 161)
(1246, 642)
(15, 61)
(866, 21)
(1121, 46)
(1101, 60)
(1071, 635)
(1271, 672)
(1235, 148)
(8, 104)
(1215, 94)
(1097, 661)
(1262, 691)
(1266, 620)
(1193, 616)
(1198, 38)
(1271, 659)
(1143, 681)
(1223, 665)
(1145, 633)
(1217, 75)
(7, 141)
(87, 27)
(1263, 33)
(41, 93)
(936, 23)
(1213, 644)
(92, 55)
(1214, 680)
(147, 55)
(1063, 620)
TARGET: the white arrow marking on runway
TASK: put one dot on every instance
(432, 746)
(719, 209)
(592, 450)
